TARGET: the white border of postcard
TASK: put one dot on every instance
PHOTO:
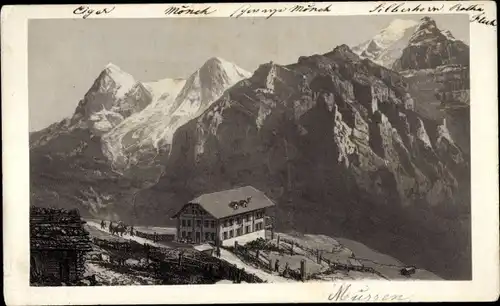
(484, 172)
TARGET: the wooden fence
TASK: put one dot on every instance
(261, 261)
(196, 262)
(174, 266)
(155, 236)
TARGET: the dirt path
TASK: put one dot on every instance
(127, 236)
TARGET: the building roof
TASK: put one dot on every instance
(218, 204)
(57, 229)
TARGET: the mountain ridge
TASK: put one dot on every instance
(154, 127)
(334, 139)
(351, 126)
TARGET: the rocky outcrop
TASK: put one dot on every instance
(67, 166)
(429, 47)
(436, 67)
(115, 95)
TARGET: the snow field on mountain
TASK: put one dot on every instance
(385, 47)
(175, 102)
(124, 80)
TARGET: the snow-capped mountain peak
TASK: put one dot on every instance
(393, 32)
(425, 32)
(207, 84)
(430, 47)
(121, 79)
(401, 24)
(112, 66)
(219, 67)
(448, 34)
(386, 46)
(175, 102)
(114, 95)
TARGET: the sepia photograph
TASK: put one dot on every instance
(250, 147)
(191, 155)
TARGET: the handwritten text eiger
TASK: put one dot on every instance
(87, 11)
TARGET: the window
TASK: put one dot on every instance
(190, 235)
(213, 224)
(231, 222)
(231, 234)
(226, 223)
(258, 226)
(183, 234)
(238, 232)
(198, 223)
(248, 217)
(183, 222)
(188, 222)
(239, 220)
(205, 223)
(225, 235)
(213, 236)
(207, 236)
(259, 214)
(247, 229)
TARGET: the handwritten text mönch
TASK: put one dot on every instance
(188, 10)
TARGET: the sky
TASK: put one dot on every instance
(65, 56)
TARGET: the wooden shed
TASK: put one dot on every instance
(58, 243)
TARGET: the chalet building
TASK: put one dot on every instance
(223, 215)
(58, 243)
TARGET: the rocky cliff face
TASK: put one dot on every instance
(436, 67)
(67, 166)
(429, 47)
(115, 95)
(335, 140)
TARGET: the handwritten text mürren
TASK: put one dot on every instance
(346, 293)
